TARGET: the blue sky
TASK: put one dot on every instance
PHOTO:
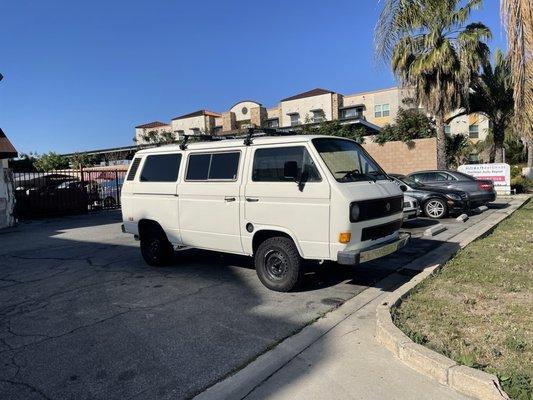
(79, 75)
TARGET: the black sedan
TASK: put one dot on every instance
(434, 202)
(480, 191)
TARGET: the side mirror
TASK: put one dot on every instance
(290, 170)
(403, 187)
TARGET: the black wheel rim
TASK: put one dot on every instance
(154, 248)
(276, 265)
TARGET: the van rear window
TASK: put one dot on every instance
(161, 168)
(213, 166)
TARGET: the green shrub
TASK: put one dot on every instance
(521, 184)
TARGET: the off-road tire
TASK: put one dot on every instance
(278, 264)
(156, 250)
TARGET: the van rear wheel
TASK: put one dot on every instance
(278, 264)
(155, 247)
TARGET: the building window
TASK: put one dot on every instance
(447, 129)
(217, 129)
(353, 112)
(272, 123)
(473, 131)
(295, 119)
(318, 115)
(195, 131)
(381, 110)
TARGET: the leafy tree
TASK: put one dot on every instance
(51, 161)
(334, 128)
(24, 163)
(433, 50)
(492, 95)
(156, 137)
(79, 161)
(408, 125)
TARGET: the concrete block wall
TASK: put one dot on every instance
(7, 197)
(401, 158)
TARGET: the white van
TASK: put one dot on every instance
(279, 198)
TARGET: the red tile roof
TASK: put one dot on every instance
(155, 124)
(309, 93)
(198, 114)
(6, 148)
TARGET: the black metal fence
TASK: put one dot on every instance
(41, 194)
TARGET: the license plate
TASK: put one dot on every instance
(381, 251)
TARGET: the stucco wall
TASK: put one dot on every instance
(242, 110)
(304, 106)
(140, 132)
(187, 124)
(393, 97)
(459, 125)
(7, 200)
(400, 158)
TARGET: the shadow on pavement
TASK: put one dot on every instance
(82, 316)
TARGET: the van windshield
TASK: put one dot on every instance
(347, 160)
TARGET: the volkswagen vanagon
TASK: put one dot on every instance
(279, 198)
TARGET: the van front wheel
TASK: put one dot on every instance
(155, 247)
(278, 264)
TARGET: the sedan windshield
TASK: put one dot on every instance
(410, 182)
(347, 160)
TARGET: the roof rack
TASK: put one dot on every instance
(248, 136)
(255, 132)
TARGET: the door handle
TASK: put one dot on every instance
(229, 199)
(252, 199)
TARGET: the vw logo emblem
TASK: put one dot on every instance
(387, 206)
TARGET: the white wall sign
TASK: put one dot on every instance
(499, 174)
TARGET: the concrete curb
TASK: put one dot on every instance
(435, 230)
(466, 380)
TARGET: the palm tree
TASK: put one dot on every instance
(491, 94)
(517, 16)
(433, 50)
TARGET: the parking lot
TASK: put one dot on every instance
(82, 316)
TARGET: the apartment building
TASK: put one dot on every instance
(371, 110)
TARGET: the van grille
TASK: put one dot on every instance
(379, 231)
(378, 208)
(133, 169)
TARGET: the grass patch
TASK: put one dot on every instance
(478, 308)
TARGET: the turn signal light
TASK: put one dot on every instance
(344, 237)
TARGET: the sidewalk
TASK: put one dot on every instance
(348, 363)
(338, 356)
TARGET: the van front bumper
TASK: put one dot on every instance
(355, 257)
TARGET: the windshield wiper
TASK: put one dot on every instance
(354, 174)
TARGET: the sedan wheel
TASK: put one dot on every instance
(435, 208)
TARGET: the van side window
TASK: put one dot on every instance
(213, 166)
(269, 164)
(161, 168)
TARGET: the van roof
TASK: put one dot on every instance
(227, 143)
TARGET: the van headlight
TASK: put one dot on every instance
(354, 212)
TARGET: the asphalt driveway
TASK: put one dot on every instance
(82, 316)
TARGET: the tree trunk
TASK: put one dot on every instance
(498, 136)
(529, 144)
(441, 142)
